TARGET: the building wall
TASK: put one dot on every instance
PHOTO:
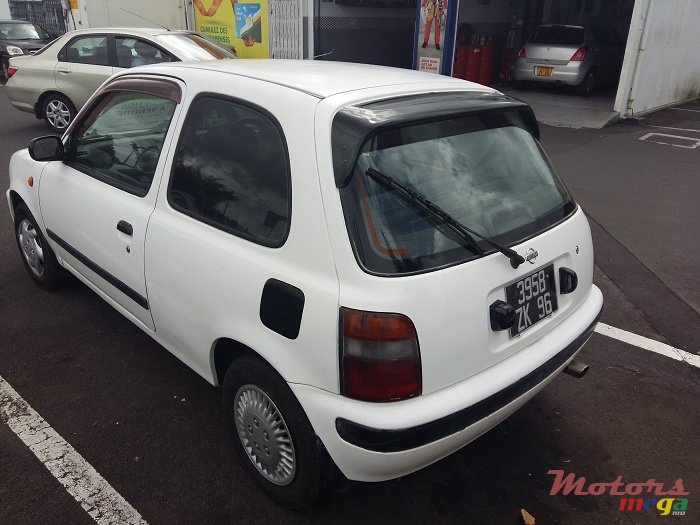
(111, 13)
(662, 63)
(4, 10)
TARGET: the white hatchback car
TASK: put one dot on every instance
(378, 265)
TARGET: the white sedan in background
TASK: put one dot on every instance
(56, 82)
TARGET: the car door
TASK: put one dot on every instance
(97, 201)
(83, 65)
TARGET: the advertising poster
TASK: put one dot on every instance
(241, 25)
(435, 30)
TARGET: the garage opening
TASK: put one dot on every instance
(563, 57)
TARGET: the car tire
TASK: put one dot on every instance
(587, 86)
(256, 402)
(58, 112)
(37, 255)
(522, 85)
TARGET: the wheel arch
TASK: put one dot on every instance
(40, 101)
(15, 200)
(225, 351)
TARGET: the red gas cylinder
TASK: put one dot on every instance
(486, 65)
(461, 59)
(473, 60)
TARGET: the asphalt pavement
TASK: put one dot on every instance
(153, 429)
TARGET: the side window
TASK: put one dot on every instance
(87, 50)
(231, 171)
(132, 52)
(120, 140)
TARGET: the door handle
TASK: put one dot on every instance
(125, 228)
(63, 69)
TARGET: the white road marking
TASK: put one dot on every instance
(695, 140)
(648, 344)
(684, 109)
(79, 478)
(674, 129)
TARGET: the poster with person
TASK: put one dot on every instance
(240, 25)
(434, 42)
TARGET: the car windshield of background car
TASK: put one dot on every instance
(193, 47)
(22, 32)
(488, 174)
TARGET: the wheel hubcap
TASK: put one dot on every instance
(57, 114)
(31, 247)
(264, 435)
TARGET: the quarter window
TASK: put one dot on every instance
(120, 141)
(231, 171)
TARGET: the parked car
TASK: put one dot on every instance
(19, 37)
(56, 83)
(584, 57)
(377, 264)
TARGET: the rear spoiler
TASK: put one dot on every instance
(353, 125)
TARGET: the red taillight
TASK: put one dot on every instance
(380, 359)
(521, 53)
(580, 55)
(11, 71)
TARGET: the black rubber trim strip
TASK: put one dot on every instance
(379, 440)
(111, 279)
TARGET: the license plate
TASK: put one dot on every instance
(533, 297)
(542, 71)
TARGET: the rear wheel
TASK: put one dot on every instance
(271, 433)
(522, 85)
(587, 86)
(37, 255)
(58, 112)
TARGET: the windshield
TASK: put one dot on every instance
(485, 172)
(564, 35)
(26, 31)
(189, 46)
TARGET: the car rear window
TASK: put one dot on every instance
(486, 171)
(189, 46)
(565, 35)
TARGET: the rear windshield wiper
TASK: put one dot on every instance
(442, 216)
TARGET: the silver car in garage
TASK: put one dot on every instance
(584, 57)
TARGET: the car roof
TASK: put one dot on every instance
(320, 78)
(139, 31)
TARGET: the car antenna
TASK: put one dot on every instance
(147, 19)
(322, 55)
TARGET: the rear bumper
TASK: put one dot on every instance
(571, 74)
(377, 442)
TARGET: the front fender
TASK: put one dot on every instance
(22, 168)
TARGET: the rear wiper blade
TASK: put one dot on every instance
(442, 216)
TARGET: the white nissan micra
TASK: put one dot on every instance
(378, 265)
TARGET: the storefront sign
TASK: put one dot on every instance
(236, 24)
(435, 30)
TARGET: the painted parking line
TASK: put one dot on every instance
(648, 344)
(97, 497)
(665, 137)
(686, 109)
(674, 129)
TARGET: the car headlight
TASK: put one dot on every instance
(14, 50)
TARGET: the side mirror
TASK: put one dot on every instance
(48, 148)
